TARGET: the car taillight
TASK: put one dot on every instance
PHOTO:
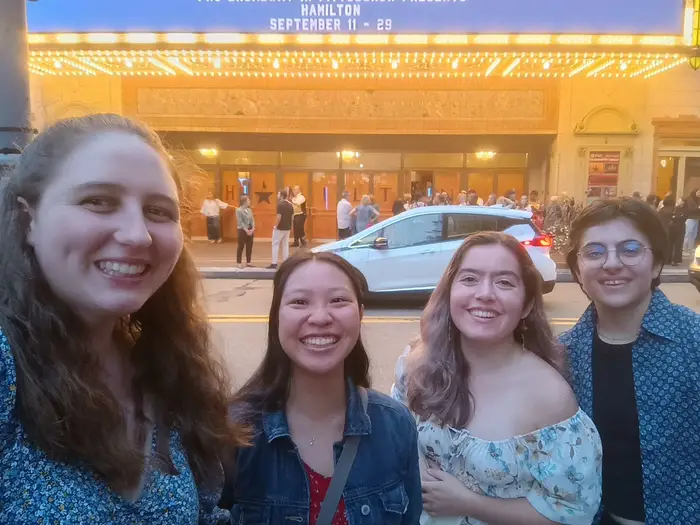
(541, 241)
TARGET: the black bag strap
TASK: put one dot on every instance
(341, 473)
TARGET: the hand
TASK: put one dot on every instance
(443, 494)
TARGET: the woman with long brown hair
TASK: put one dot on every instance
(112, 407)
(310, 406)
(503, 439)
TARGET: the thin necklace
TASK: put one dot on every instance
(627, 339)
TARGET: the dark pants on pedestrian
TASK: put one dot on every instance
(675, 244)
(344, 233)
(244, 241)
(213, 228)
(299, 233)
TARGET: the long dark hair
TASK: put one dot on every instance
(63, 403)
(437, 371)
(268, 388)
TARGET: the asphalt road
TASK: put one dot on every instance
(238, 312)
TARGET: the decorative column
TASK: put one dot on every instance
(15, 125)
(694, 59)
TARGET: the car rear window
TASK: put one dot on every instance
(460, 225)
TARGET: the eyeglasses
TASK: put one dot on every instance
(630, 253)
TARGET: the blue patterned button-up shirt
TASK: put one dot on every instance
(666, 368)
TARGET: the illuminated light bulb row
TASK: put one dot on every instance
(342, 75)
(189, 62)
(391, 56)
(668, 67)
(217, 61)
(350, 39)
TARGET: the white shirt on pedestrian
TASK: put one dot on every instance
(212, 207)
(343, 214)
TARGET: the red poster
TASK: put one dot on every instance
(603, 174)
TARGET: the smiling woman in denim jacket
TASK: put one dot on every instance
(305, 405)
(635, 363)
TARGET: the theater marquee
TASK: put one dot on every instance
(657, 17)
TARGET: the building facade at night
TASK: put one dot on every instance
(388, 97)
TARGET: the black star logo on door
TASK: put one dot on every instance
(264, 195)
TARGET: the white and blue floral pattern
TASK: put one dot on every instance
(557, 468)
(36, 490)
(666, 368)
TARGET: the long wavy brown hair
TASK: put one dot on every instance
(65, 407)
(268, 387)
(437, 371)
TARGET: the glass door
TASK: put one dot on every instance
(196, 225)
(386, 191)
(357, 184)
(263, 199)
(692, 175)
(231, 191)
(324, 191)
(448, 182)
(482, 183)
(666, 176)
(510, 181)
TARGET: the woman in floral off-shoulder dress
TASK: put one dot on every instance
(502, 438)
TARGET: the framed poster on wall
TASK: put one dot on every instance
(603, 175)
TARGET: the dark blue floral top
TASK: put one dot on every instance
(666, 369)
(34, 489)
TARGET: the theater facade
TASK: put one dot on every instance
(384, 97)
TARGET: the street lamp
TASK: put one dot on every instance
(15, 118)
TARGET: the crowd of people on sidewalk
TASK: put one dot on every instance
(115, 408)
(291, 217)
(680, 217)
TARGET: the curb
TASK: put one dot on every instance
(263, 274)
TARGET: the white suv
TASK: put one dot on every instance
(408, 253)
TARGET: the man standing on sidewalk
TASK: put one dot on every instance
(280, 231)
(299, 217)
(343, 215)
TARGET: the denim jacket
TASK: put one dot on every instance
(270, 486)
(666, 368)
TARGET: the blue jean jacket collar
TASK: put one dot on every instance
(357, 422)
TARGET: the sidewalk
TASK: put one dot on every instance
(224, 254)
(218, 261)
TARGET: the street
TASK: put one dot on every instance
(238, 312)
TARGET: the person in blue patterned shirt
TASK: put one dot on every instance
(635, 366)
(112, 406)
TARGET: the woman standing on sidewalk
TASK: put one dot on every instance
(112, 406)
(246, 231)
(635, 366)
(364, 215)
(211, 209)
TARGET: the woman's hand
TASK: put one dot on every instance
(444, 495)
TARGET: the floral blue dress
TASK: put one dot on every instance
(557, 468)
(34, 489)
